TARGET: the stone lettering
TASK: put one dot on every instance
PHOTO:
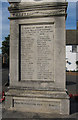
(54, 105)
(37, 57)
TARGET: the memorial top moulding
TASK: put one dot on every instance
(36, 8)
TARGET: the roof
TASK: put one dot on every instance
(72, 37)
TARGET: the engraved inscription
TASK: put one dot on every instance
(38, 105)
(38, 13)
(37, 52)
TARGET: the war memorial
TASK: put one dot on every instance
(37, 57)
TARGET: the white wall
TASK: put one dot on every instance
(71, 58)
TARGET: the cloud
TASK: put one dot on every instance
(0, 23)
(3, 0)
(5, 30)
(72, 0)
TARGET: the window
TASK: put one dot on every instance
(74, 48)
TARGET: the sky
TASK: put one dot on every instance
(4, 14)
(71, 16)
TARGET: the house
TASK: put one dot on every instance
(72, 49)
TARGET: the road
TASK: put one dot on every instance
(5, 73)
(72, 83)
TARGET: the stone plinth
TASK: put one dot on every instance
(37, 57)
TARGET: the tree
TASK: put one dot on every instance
(5, 47)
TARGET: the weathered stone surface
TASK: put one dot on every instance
(38, 101)
(36, 93)
(37, 52)
(37, 57)
(37, 9)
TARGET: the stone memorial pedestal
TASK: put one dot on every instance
(37, 57)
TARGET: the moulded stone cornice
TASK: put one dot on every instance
(22, 10)
(25, 6)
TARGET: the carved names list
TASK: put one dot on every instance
(37, 56)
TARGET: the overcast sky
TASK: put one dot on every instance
(4, 13)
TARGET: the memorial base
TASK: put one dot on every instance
(54, 102)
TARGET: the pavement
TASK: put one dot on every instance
(35, 116)
(9, 114)
(71, 84)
